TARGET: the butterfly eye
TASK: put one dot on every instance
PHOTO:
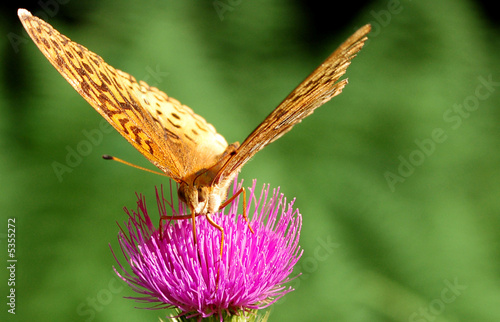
(182, 193)
(202, 194)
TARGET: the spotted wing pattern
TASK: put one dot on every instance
(317, 89)
(169, 134)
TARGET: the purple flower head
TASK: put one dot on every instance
(174, 272)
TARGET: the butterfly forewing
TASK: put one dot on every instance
(317, 89)
(169, 134)
(190, 139)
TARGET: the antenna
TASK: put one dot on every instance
(110, 157)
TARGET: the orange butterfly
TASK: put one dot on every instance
(170, 135)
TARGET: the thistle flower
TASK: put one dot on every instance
(174, 272)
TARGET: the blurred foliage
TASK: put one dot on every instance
(397, 178)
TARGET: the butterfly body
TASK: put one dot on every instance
(169, 134)
(201, 193)
(201, 197)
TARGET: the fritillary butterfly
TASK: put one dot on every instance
(169, 134)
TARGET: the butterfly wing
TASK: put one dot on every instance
(167, 133)
(317, 89)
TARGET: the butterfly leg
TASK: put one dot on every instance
(228, 201)
(245, 209)
(193, 220)
(170, 218)
(213, 223)
(160, 226)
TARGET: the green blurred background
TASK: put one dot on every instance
(397, 178)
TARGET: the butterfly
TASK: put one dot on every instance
(169, 134)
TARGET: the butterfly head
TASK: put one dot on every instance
(200, 195)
